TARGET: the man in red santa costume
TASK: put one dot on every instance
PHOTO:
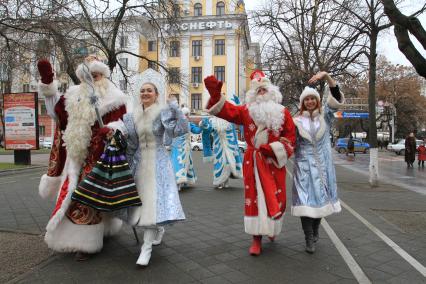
(266, 123)
(79, 142)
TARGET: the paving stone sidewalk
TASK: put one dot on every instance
(211, 246)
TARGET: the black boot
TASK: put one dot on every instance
(315, 227)
(307, 225)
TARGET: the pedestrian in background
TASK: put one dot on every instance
(351, 146)
(422, 154)
(314, 186)
(181, 155)
(410, 149)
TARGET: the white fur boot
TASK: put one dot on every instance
(146, 249)
(159, 236)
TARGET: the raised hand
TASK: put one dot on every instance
(322, 75)
(214, 87)
(46, 72)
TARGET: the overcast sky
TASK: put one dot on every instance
(387, 44)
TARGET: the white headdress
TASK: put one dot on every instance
(153, 77)
(308, 91)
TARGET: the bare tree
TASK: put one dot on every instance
(403, 25)
(304, 37)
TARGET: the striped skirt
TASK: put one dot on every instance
(110, 185)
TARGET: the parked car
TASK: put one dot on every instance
(196, 146)
(46, 143)
(341, 145)
(242, 145)
(399, 148)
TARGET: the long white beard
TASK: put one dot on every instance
(81, 118)
(265, 111)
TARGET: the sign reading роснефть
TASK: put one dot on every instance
(206, 25)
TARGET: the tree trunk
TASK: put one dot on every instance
(374, 166)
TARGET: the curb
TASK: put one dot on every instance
(16, 171)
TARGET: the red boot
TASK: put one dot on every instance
(256, 246)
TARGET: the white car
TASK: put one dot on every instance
(399, 148)
(196, 146)
(45, 142)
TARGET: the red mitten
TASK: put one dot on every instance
(104, 131)
(214, 87)
(45, 70)
(266, 150)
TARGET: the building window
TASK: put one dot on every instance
(196, 75)
(42, 130)
(124, 40)
(219, 47)
(123, 85)
(26, 88)
(176, 10)
(174, 49)
(196, 47)
(219, 72)
(174, 75)
(124, 62)
(198, 9)
(176, 96)
(43, 110)
(152, 65)
(220, 8)
(196, 103)
(152, 45)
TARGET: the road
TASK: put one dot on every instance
(392, 169)
(377, 238)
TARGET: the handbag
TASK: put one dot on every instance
(110, 185)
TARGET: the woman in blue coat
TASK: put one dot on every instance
(314, 186)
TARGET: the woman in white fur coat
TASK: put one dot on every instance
(149, 128)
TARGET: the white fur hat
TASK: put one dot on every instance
(185, 110)
(308, 91)
(94, 66)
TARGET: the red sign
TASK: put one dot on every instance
(21, 121)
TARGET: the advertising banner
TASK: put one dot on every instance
(21, 121)
(342, 114)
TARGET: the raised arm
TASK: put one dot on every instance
(218, 106)
(47, 87)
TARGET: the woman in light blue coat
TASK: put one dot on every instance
(314, 186)
(149, 128)
(181, 155)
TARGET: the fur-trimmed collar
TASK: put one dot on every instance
(305, 133)
(144, 119)
(315, 113)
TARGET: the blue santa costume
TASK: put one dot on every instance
(182, 157)
(226, 155)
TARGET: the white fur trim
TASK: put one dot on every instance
(112, 225)
(146, 215)
(49, 186)
(215, 109)
(48, 90)
(333, 103)
(304, 133)
(94, 66)
(312, 212)
(261, 224)
(308, 91)
(71, 170)
(208, 159)
(280, 153)
(119, 124)
(69, 237)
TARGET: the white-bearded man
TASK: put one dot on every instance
(270, 135)
(78, 144)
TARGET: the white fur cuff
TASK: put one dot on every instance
(48, 90)
(280, 153)
(119, 124)
(215, 109)
(49, 186)
(307, 211)
(333, 103)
